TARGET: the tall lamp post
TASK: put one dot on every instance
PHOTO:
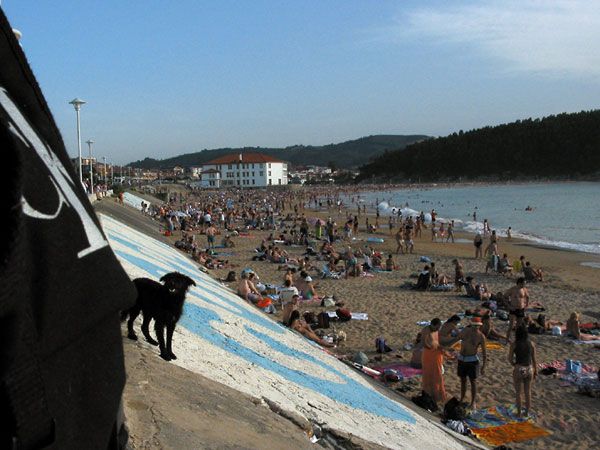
(89, 143)
(104, 159)
(77, 102)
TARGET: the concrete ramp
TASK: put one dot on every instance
(229, 341)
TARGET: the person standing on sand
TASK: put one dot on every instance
(468, 359)
(399, 241)
(408, 240)
(518, 300)
(521, 356)
(210, 237)
(432, 380)
(450, 231)
(478, 242)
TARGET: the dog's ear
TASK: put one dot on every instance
(191, 282)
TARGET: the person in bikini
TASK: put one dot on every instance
(521, 356)
(518, 301)
(305, 330)
(573, 329)
(468, 360)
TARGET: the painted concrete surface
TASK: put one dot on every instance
(225, 339)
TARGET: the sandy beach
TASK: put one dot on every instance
(394, 312)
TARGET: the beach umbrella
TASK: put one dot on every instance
(179, 214)
(315, 221)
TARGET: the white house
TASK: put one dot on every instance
(210, 178)
(245, 170)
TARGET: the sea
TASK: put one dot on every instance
(565, 215)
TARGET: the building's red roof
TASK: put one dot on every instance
(246, 158)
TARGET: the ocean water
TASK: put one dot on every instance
(565, 215)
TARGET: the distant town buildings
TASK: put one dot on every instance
(244, 170)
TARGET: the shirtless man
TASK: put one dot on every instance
(518, 301)
(399, 241)
(468, 360)
(210, 236)
(390, 264)
(247, 290)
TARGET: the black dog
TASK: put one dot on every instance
(164, 304)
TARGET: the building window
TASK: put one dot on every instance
(229, 166)
(261, 173)
(279, 180)
(253, 182)
(253, 165)
(269, 173)
(269, 165)
(253, 174)
(270, 182)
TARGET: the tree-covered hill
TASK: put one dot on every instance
(345, 155)
(562, 146)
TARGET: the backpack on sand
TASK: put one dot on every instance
(61, 360)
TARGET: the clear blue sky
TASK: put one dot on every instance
(163, 78)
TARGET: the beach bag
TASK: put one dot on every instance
(454, 410)
(425, 401)
(323, 320)
(263, 303)
(572, 366)
(62, 367)
(392, 375)
(343, 315)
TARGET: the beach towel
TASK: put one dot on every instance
(512, 432)
(225, 254)
(561, 366)
(359, 316)
(432, 380)
(584, 342)
(578, 379)
(310, 300)
(366, 275)
(488, 346)
(403, 369)
(495, 416)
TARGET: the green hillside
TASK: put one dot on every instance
(346, 155)
(562, 146)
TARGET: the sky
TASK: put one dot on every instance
(164, 78)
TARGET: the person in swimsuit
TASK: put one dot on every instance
(521, 356)
(488, 329)
(450, 232)
(573, 329)
(468, 359)
(305, 330)
(416, 358)
(518, 301)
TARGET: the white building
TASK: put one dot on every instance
(244, 170)
(210, 179)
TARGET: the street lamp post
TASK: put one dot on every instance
(77, 102)
(104, 159)
(89, 143)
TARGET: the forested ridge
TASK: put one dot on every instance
(561, 146)
(345, 155)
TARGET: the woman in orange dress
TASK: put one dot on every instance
(433, 358)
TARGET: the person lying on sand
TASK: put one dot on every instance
(304, 329)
